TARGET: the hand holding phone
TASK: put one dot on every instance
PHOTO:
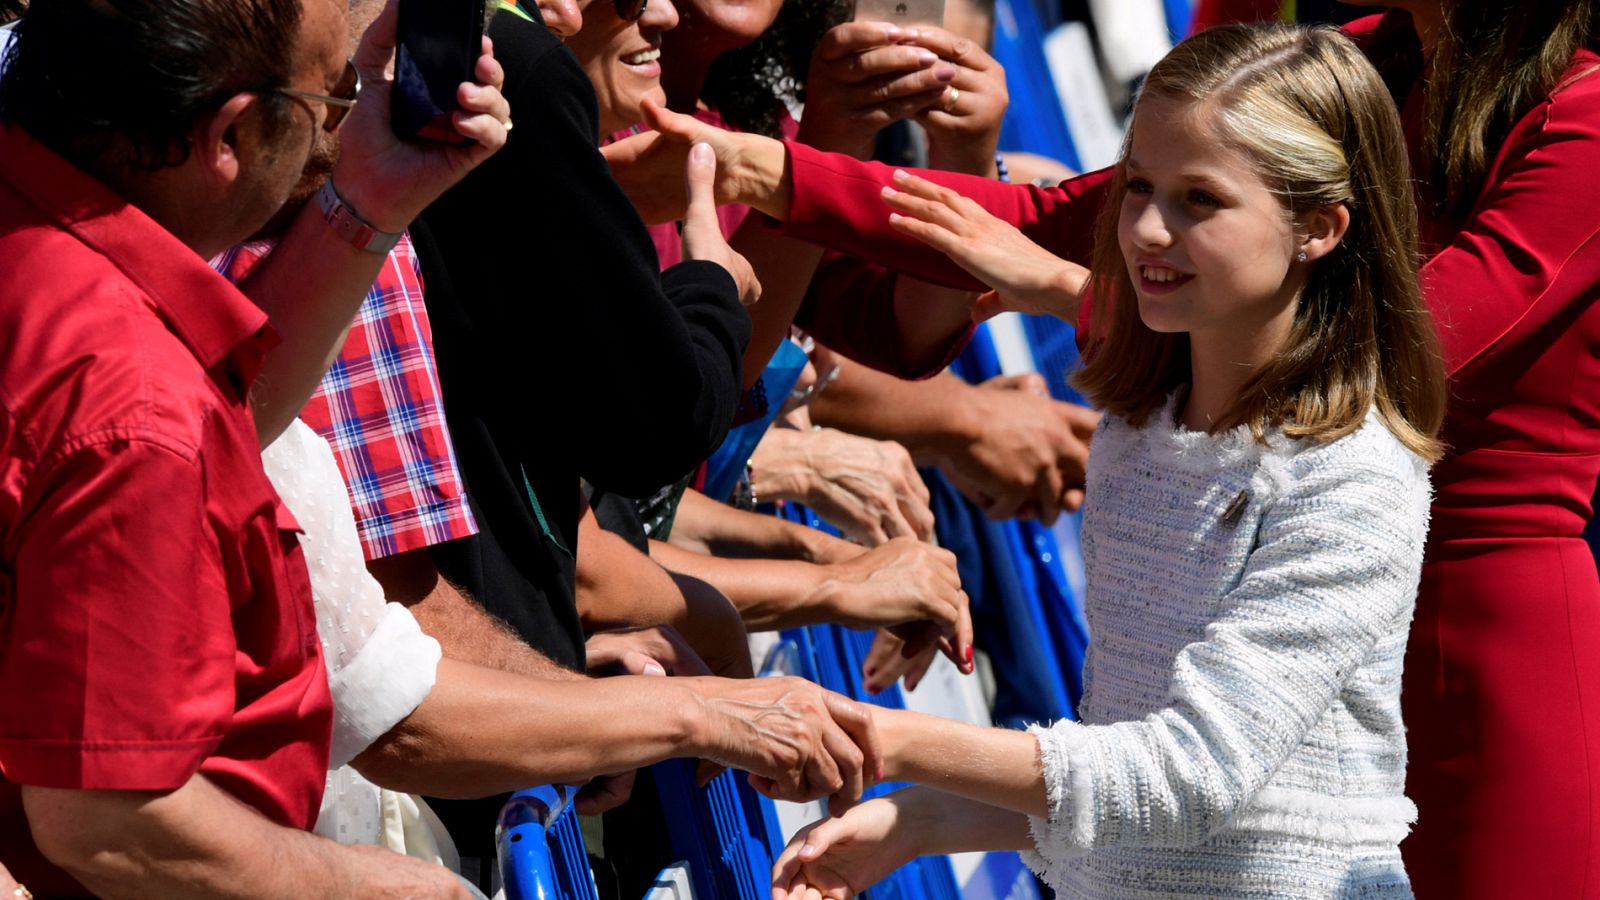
(901, 12)
(438, 47)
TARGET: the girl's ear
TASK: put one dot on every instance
(1322, 229)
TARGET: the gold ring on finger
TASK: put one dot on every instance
(21, 892)
(950, 98)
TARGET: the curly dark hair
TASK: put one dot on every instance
(751, 86)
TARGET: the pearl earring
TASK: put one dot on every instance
(1302, 256)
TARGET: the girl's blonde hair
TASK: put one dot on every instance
(1316, 118)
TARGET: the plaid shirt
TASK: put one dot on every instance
(381, 409)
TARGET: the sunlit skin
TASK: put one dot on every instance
(1209, 248)
(622, 59)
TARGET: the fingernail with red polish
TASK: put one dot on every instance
(878, 776)
(969, 654)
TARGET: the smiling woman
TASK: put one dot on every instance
(622, 57)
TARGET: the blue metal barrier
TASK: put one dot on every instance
(542, 856)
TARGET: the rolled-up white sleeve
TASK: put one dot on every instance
(380, 664)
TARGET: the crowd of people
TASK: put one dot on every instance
(451, 506)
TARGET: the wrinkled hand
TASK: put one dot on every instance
(905, 583)
(1025, 454)
(1025, 277)
(963, 124)
(702, 230)
(798, 741)
(862, 78)
(837, 858)
(389, 180)
(656, 650)
(893, 658)
(374, 873)
(868, 489)
(649, 166)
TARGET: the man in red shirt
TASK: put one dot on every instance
(164, 709)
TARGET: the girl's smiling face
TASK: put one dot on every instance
(1208, 246)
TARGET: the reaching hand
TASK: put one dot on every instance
(797, 741)
(905, 583)
(1025, 276)
(702, 230)
(1026, 454)
(893, 658)
(963, 123)
(656, 650)
(389, 180)
(837, 858)
(649, 166)
(868, 489)
(862, 78)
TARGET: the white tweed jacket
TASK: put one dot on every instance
(1249, 607)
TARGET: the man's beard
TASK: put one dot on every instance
(319, 165)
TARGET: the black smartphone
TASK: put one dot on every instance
(439, 45)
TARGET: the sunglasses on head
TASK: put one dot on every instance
(345, 91)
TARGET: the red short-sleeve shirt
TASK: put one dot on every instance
(155, 617)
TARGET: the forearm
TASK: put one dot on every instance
(482, 732)
(997, 766)
(708, 527)
(464, 630)
(768, 593)
(945, 823)
(196, 841)
(930, 318)
(927, 417)
(619, 587)
(310, 286)
(784, 268)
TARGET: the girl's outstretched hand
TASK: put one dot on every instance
(1024, 276)
(837, 858)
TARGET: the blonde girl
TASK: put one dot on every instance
(1257, 505)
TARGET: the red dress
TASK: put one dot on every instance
(1502, 681)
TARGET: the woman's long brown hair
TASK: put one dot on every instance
(1494, 61)
(1306, 106)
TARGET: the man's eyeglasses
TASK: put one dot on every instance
(631, 10)
(343, 98)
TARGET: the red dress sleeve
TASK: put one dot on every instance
(837, 204)
(1529, 248)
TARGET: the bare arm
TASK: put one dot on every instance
(1006, 444)
(481, 732)
(198, 841)
(785, 267)
(995, 766)
(313, 283)
(712, 528)
(463, 629)
(899, 583)
(619, 587)
(840, 857)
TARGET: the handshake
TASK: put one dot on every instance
(798, 741)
